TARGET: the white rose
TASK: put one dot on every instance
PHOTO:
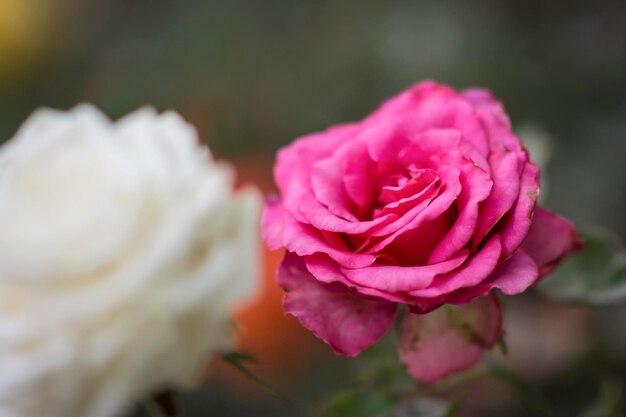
(122, 249)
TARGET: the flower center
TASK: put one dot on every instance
(405, 185)
(406, 188)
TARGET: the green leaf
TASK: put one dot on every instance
(610, 400)
(237, 359)
(352, 404)
(596, 275)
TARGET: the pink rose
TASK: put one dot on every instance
(430, 200)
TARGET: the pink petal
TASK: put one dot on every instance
(348, 323)
(434, 141)
(325, 269)
(301, 202)
(281, 229)
(475, 270)
(403, 205)
(292, 173)
(515, 275)
(433, 207)
(476, 186)
(494, 120)
(506, 186)
(450, 339)
(402, 278)
(515, 225)
(427, 207)
(421, 108)
(273, 223)
(328, 188)
(394, 195)
(430, 147)
(414, 246)
(385, 145)
(512, 277)
(429, 218)
(433, 106)
(498, 128)
(295, 160)
(313, 212)
(359, 177)
(551, 238)
(405, 101)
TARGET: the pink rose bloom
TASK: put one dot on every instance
(430, 200)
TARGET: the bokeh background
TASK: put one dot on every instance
(252, 75)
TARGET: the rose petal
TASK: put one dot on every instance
(402, 278)
(421, 108)
(325, 269)
(384, 146)
(476, 186)
(313, 212)
(292, 174)
(273, 223)
(450, 339)
(515, 225)
(348, 323)
(494, 120)
(435, 141)
(293, 162)
(512, 277)
(426, 305)
(393, 196)
(413, 247)
(405, 101)
(474, 271)
(359, 177)
(421, 213)
(515, 275)
(550, 239)
(505, 191)
(328, 188)
(428, 105)
(281, 229)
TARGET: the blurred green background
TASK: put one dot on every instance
(252, 75)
